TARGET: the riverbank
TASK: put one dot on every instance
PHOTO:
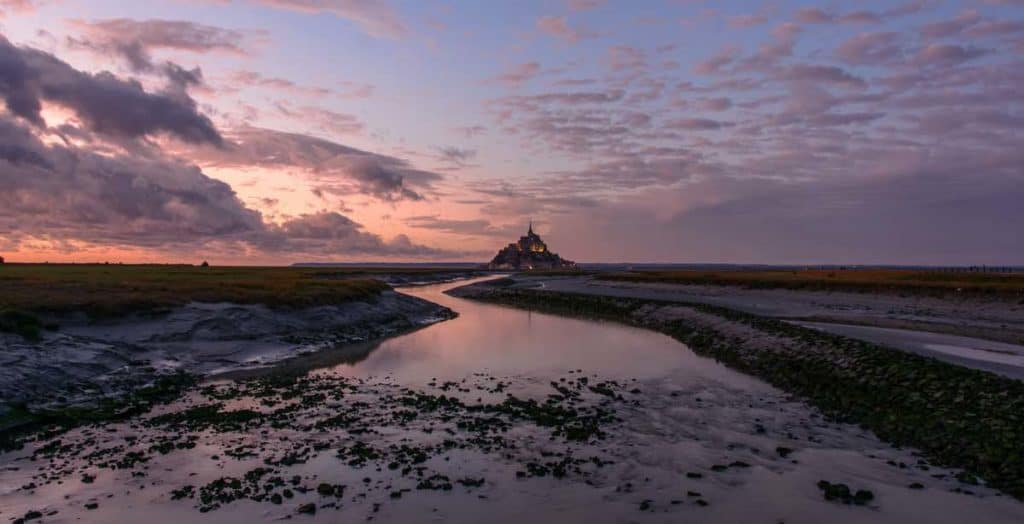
(1005, 282)
(84, 336)
(989, 316)
(955, 416)
(501, 414)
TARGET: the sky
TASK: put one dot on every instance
(279, 131)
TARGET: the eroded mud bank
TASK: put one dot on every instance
(87, 359)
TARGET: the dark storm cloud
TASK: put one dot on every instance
(106, 104)
(68, 192)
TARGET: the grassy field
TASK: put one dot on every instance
(867, 280)
(110, 290)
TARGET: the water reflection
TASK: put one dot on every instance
(511, 342)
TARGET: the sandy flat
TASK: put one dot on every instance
(981, 333)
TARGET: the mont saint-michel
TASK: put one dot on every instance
(530, 252)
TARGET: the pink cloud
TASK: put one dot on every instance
(518, 74)
(947, 54)
(375, 17)
(871, 49)
(953, 27)
(558, 27)
(717, 62)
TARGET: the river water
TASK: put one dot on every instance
(511, 342)
(695, 441)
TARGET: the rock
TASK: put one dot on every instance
(841, 493)
(308, 508)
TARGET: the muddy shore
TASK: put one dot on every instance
(994, 317)
(500, 415)
(87, 359)
(956, 416)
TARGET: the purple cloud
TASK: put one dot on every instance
(822, 74)
(871, 49)
(107, 105)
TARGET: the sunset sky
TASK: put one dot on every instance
(277, 131)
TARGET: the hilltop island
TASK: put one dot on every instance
(530, 252)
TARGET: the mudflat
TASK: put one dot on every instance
(499, 415)
(991, 316)
(74, 334)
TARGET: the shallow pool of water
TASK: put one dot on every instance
(505, 341)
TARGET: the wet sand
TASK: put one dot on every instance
(966, 331)
(995, 357)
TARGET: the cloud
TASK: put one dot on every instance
(716, 63)
(558, 27)
(246, 79)
(518, 74)
(333, 235)
(871, 49)
(456, 157)
(134, 40)
(567, 98)
(953, 27)
(822, 74)
(861, 17)
(625, 58)
(714, 104)
(19, 6)
(918, 213)
(355, 90)
(995, 28)
(71, 194)
(469, 131)
(339, 169)
(375, 17)
(113, 199)
(696, 124)
(471, 227)
(947, 54)
(106, 104)
(331, 122)
(815, 15)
